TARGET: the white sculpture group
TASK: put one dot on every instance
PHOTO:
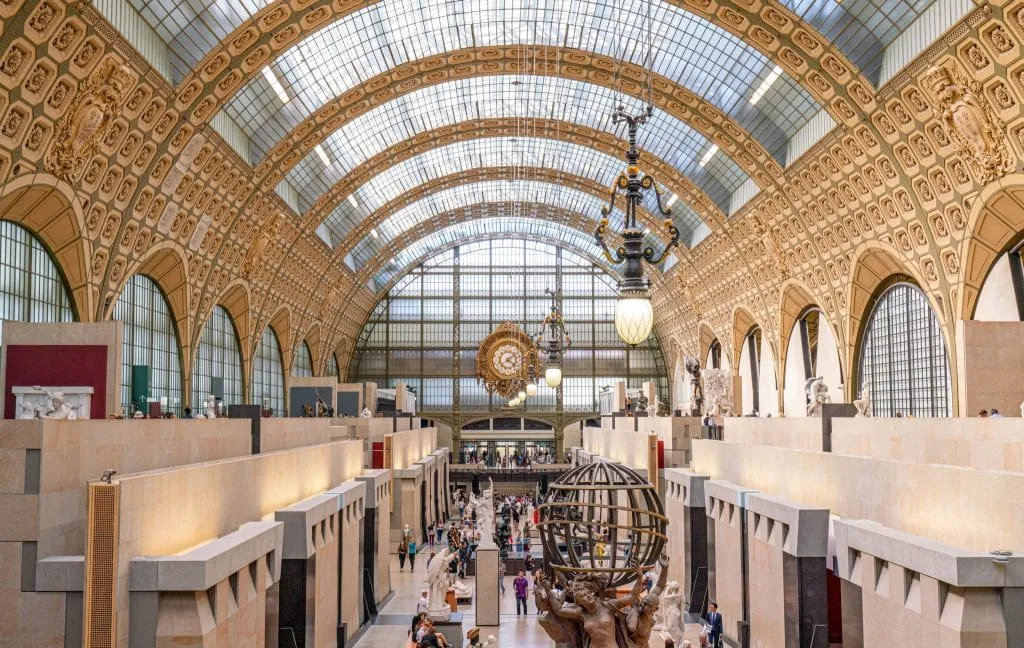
(669, 617)
(57, 409)
(484, 507)
(209, 408)
(438, 581)
(863, 404)
(716, 388)
(817, 395)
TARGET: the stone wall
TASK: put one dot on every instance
(287, 433)
(798, 433)
(991, 360)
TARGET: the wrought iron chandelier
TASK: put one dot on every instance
(555, 341)
(634, 315)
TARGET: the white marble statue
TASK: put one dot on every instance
(58, 408)
(817, 395)
(484, 507)
(863, 404)
(211, 406)
(672, 611)
(438, 581)
(716, 387)
(30, 411)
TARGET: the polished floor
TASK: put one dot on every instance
(392, 627)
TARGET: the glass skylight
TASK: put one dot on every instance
(516, 152)
(499, 227)
(498, 96)
(521, 194)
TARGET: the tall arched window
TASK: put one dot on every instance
(151, 358)
(218, 366)
(31, 289)
(268, 373)
(303, 364)
(714, 359)
(750, 371)
(903, 356)
(332, 367)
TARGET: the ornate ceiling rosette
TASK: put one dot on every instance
(506, 359)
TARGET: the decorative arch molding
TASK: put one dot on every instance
(552, 129)
(706, 337)
(312, 340)
(47, 207)
(281, 325)
(995, 225)
(165, 265)
(567, 63)
(875, 265)
(743, 322)
(796, 300)
(235, 299)
(775, 31)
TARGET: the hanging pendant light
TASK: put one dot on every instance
(553, 339)
(531, 389)
(521, 395)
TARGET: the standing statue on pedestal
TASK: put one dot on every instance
(817, 395)
(484, 507)
(438, 581)
(720, 405)
(211, 406)
(672, 611)
(59, 410)
(696, 390)
(863, 404)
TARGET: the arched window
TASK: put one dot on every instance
(812, 351)
(218, 366)
(303, 364)
(750, 372)
(714, 359)
(151, 358)
(268, 373)
(903, 356)
(332, 367)
(31, 289)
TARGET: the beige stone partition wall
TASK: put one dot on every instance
(410, 446)
(725, 506)
(407, 504)
(627, 447)
(991, 360)
(687, 535)
(787, 543)
(351, 517)
(287, 433)
(964, 507)
(376, 544)
(796, 433)
(164, 512)
(916, 593)
(983, 443)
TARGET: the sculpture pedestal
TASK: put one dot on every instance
(488, 602)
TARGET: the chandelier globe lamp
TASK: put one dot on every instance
(554, 341)
(634, 315)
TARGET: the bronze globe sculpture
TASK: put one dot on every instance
(602, 520)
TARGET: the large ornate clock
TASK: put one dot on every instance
(506, 360)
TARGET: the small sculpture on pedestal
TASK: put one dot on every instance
(439, 580)
(817, 395)
(484, 507)
(720, 405)
(863, 404)
(641, 403)
(59, 410)
(672, 611)
(696, 390)
(211, 406)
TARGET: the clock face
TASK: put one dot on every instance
(507, 360)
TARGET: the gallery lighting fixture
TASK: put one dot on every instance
(275, 84)
(772, 77)
(352, 200)
(707, 156)
(323, 155)
(553, 340)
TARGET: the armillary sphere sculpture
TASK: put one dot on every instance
(602, 527)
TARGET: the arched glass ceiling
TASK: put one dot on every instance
(499, 227)
(489, 97)
(522, 194)
(693, 52)
(572, 159)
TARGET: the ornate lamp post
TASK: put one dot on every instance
(554, 340)
(634, 316)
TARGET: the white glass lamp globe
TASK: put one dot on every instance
(553, 376)
(511, 402)
(521, 395)
(531, 389)
(634, 319)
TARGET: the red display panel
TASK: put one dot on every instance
(58, 365)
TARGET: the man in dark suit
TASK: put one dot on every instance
(714, 625)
